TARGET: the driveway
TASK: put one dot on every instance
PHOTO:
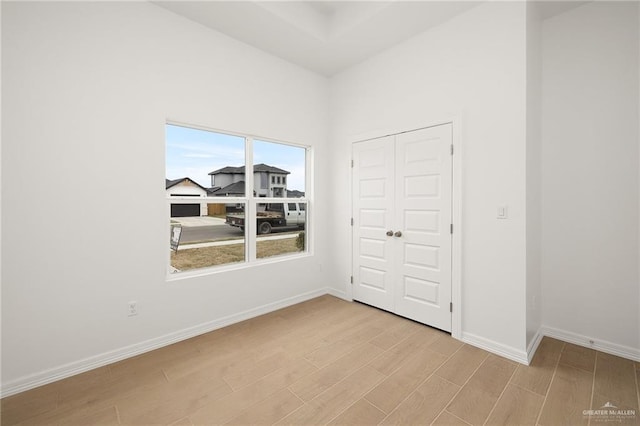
(198, 221)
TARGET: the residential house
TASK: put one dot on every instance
(186, 187)
(268, 181)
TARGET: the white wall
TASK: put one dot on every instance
(87, 88)
(473, 67)
(590, 176)
(534, 178)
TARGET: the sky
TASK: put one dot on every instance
(194, 153)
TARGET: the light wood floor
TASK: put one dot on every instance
(327, 361)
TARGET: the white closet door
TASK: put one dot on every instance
(402, 210)
(423, 185)
(373, 216)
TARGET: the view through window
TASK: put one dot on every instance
(214, 219)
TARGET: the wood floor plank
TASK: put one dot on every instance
(171, 401)
(270, 410)
(23, 406)
(108, 392)
(614, 383)
(397, 386)
(104, 417)
(462, 364)
(152, 362)
(569, 395)
(360, 413)
(304, 310)
(327, 354)
(516, 406)
(246, 374)
(393, 336)
(445, 344)
(578, 357)
(336, 399)
(424, 404)
(315, 335)
(92, 395)
(314, 384)
(81, 416)
(391, 360)
(183, 422)
(537, 376)
(232, 405)
(447, 419)
(478, 396)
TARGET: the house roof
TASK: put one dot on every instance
(256, 168)
(169, 183)
(236, 188)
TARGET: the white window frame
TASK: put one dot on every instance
(250, 208)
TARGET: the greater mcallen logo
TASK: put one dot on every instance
(610, 413)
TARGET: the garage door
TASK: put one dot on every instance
(185, 210)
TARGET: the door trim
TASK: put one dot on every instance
(456, 197)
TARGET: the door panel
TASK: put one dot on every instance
(423, 178)
(402, 183)
(372, 217)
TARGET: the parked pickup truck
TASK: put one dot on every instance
(274, 215)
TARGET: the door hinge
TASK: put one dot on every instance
(352, 164)
(451, 228)
(450, 306)
(351, 279)
(351, 221)
(451, 149)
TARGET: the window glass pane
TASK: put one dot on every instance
(283, 166)
(199, 164)
(280, 228)
(217, 238)
(212, 161)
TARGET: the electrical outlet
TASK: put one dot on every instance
(132, 308)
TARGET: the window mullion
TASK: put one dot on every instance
(250, 206)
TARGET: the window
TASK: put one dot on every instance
(214, 219)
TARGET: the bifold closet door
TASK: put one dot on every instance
(402, 216)
(423, 214)
(373, 210)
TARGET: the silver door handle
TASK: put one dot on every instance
(398, 234)
(389, 233)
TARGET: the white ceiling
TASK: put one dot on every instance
(322, 36)
(327, 36)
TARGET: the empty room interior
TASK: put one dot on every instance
(442, 225)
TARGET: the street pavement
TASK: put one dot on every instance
(231, 242)
(212, 228)
(198, 221)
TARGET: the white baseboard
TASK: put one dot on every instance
(533, 346)
(48, 376)
(338, 293)
(598, 344)
(496, 348)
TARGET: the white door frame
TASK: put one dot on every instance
(456, 196)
